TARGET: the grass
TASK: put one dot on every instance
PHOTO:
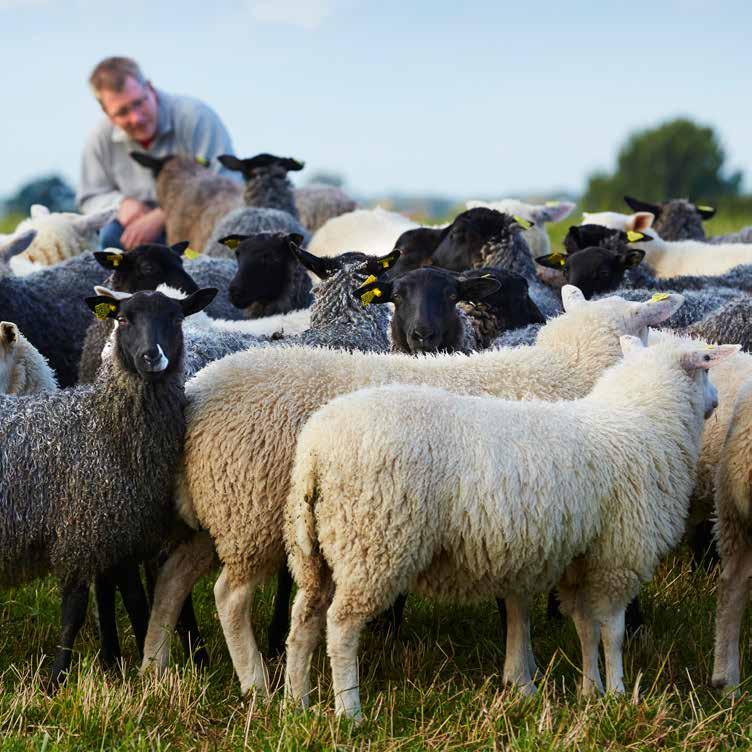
(438, 687)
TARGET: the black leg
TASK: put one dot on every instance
(131, 588)
(633, 618)
(104, 592)
(280, 624)
(75, 600)
(190, 635)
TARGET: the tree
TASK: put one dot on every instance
(678, 159)
(52, 191)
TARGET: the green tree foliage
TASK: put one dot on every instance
(52, 191)
(678, 159)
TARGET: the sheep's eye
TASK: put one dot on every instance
(396, 297)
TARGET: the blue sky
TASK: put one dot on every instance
(466, 99)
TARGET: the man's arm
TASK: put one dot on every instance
(209, 138)
(97, 190)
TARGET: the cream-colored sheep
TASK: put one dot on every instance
(23, 369)
(477, 497)
(245, 412)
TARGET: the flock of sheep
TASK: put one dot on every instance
(296, 386)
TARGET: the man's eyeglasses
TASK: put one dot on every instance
(126, 109)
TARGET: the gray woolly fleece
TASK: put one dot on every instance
(738, 278)
(318, 203)
(679, 220)
(729, 324)
(250, 221)
(215, 272)
(743, 236)
(88, 475)
(270, 188)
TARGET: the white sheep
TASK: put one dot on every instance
(478, 497)
(59, 236)
(23, 369)
(637, 222)
(536, 236)
(245, 412)
(373, 231)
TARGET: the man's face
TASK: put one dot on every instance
(134, 109)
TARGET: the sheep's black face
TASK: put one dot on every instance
(416, 248)
(587, 236)
(150, 329)
(460, 246)
(264, 269)
(148, 266)
(599, 270)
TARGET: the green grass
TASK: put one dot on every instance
(8, 222)
(438, 687)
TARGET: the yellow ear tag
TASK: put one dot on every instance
(190, 254)
(102, 310)
(115, 259)
(370, 279)
(367, 297)
(203, 161)
(231, 243)
(552, 203)
(658, 297)
(705, 208)
(558, 258)
(633, 237)
(523, 223)
(389, 259)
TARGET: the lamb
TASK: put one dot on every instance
(193, 198)
(360, 468)
(58, 236)
(678, 219)
(317, 203)
(367, 230)
(23, 369)
(538, 214)
(104, 456)
(281, 387)
(430, 315)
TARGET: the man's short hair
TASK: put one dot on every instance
(112, 73)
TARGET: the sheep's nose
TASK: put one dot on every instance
(152, 357)
(422, 333)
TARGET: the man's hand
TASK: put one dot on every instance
(145, 229)
(129, 210)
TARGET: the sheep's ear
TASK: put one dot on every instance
(233, 241)
(631, 259)
(630, 344)
(525, 224)
(111, 258)
(388, 261)
(8, 334)
(87, 223)
(292, 165)
(155, 164)
(38, 210)
(16, 244)
(103, 306)
(323, 267)
(180, 248)
(709, 357)
(294, 238)
(552, 260)
(198, 300)
(640, 221)
(643, 206)
(706, 212)
(374, 291)
(660, 307)
(571, 297)
(231, 162)
(114, 294)
(477, 288)
(552, 211)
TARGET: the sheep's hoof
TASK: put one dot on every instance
(726, 688)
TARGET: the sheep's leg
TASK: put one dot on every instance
(733, 593)
(612, 632)
(516, 661)
(104, 593)
(234, 601)
(588, 630)
(308, 618)
(75, 600)
(280, 624)
(343, 629)
(176, 578)
(128, 580)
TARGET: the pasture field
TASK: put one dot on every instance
(437, 687)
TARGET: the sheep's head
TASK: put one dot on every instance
(551, 211)
(9, 335)
(149, 336)
(260, 162)
(154, 164)
(146, 267)
(677, 219)
(416, 248)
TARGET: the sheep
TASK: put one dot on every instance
(678, 219)
(23, 369)
(215, 272)
(638, 222)
(509, 527)
(58, 236)
(317, 203)
(367, 230)
(429, 315)
(731, 322)
(281, 387)
(269, 279)
(104, 458)
(193, 198)
(538, 214)
(416, 248)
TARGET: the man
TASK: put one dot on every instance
(140, 118)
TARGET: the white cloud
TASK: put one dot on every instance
(308, 14)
